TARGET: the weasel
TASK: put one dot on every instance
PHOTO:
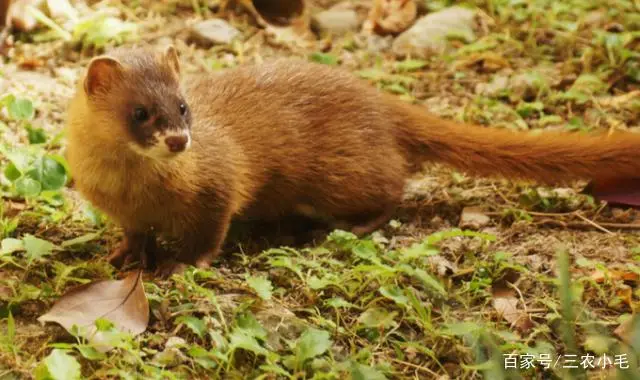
(185, 156)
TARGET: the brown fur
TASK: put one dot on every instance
(294, 137)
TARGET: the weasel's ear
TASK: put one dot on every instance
(171, 56)
(102, 74)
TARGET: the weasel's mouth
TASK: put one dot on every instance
(166, 146)
(177, 143)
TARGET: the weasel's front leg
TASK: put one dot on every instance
(199, 247)
(135, 245)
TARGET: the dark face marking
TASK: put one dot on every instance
(148, 103)
(157, 112)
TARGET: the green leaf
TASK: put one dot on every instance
(36, 135)
(417, 250)
(61, 366)
(240, 339)
(194, 324)
(339, 302)
(410, 65)
(316, 283)
(27, 187)
(461, 328)
(527, 109)
(11, 328)
(90, 353)
(80, 239)
(364, 372)
(324, 58)
(261, 285)
(202, 357)
(341, 238)
(7, 99)
(100, 30)
(312, 343)
(11, 172)
(365, 249)
(19, 159)
(396, 88)
(377, 317)
(396, 294)
(36, 248)
(250, 325)
(103, 324)
(371, 74)
(49, 172)
(20, 109)
(429, 281)
(10, 245)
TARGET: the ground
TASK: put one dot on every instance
(471, 275)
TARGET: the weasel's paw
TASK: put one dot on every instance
(170, 267)
(121, 256)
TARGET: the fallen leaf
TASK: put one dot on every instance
(599, 276)
(391, 16)
(626, 329)
(122, 302)
(506, 303)
(485, 62)
(626, 295)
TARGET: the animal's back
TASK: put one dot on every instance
(313, 135)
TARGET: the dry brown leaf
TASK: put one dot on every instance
(505, 303)
(390, 16)
(626, 295)
(599, 276)
(486, 62)
(625, 330)
(122, 302)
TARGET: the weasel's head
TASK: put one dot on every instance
(138, 92)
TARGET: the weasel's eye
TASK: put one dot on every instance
(140, 114)
(183, 109)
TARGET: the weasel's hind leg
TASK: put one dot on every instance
(373, 222)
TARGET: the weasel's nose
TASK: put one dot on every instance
(177, 143)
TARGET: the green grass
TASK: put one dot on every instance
(420, 298)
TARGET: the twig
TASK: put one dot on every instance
(621, 226)
(596, 225)
(420, 368)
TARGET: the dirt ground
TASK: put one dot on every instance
(418, 299)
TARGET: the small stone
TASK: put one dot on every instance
(497, 86)
(170, 357)
(336, 21)
(214, 31)
(430, 33)
(175, 341)
(473, 218)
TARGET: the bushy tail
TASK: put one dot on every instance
(547, 157)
